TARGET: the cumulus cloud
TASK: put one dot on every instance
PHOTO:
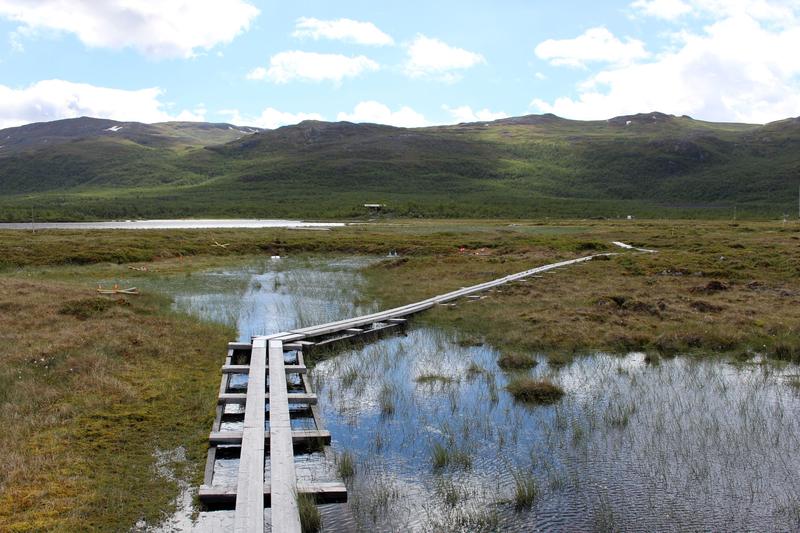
(378, 113)
(664, 9)
(167, 28)
(777, 11)
(57, 99)
(594, 45)
(347, 30)
(311, 66)
(428, 57)
(465, 113)
(736, 69)
(269, 118)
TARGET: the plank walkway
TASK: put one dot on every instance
(266, 357)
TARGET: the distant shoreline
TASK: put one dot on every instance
(171, 224)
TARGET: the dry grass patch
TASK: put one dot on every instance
(91, 389)
(537, 391)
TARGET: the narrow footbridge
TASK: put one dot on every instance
(267, 362)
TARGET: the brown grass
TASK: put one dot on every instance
(516, 361)
(90, 391)
(698, 294)
(529, 390)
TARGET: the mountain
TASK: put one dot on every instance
(47, 134)
(648, 164)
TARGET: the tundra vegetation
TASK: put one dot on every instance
(92, 386)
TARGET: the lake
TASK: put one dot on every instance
(171, 224)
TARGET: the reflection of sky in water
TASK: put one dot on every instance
(279, 296)
(269, 296)
(697, 445)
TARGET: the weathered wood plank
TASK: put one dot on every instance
(294, 397)
(245, 369)
(299, 436)
(249, 516)
(292, 346)
(283, 481)
(333, 492)
(239, 346)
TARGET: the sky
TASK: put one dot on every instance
(405, 63)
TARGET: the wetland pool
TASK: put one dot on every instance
(635, 444)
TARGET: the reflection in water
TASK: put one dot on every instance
(686, 444)
(681, 445)
(263, 297)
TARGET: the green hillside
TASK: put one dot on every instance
(539, 165)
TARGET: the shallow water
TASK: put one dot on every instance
(683, 445)
(171, 224)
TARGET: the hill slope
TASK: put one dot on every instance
(537, 165)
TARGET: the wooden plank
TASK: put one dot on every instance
(294, 397)
(333, 492)
(208, 475)
(249, 516)
(285, 515)
(288, 347)
(245, 369)
(239, 346)
(299, 436)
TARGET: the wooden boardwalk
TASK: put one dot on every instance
(267, 356)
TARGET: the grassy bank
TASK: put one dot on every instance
(91, 390)
(710, 288)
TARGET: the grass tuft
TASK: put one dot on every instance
(310, 517)
(346, 465)
(443, 456)
(430, 379)
(525, 490)
(531, 390)
(516, 361)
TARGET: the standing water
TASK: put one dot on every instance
(438, 444)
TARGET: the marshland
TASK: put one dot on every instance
(640, 392)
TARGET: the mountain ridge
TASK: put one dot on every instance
(650, 164)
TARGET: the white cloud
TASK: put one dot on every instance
(595, 44)
(348, 30)
(465, 113)
(57, 99)
(167, 28)
(269, 118)
(378, 113)
(776, 11)
(428, 57)
(311, 66)
(735, 70)
(664, 9)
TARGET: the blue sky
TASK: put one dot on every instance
(410, 63)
